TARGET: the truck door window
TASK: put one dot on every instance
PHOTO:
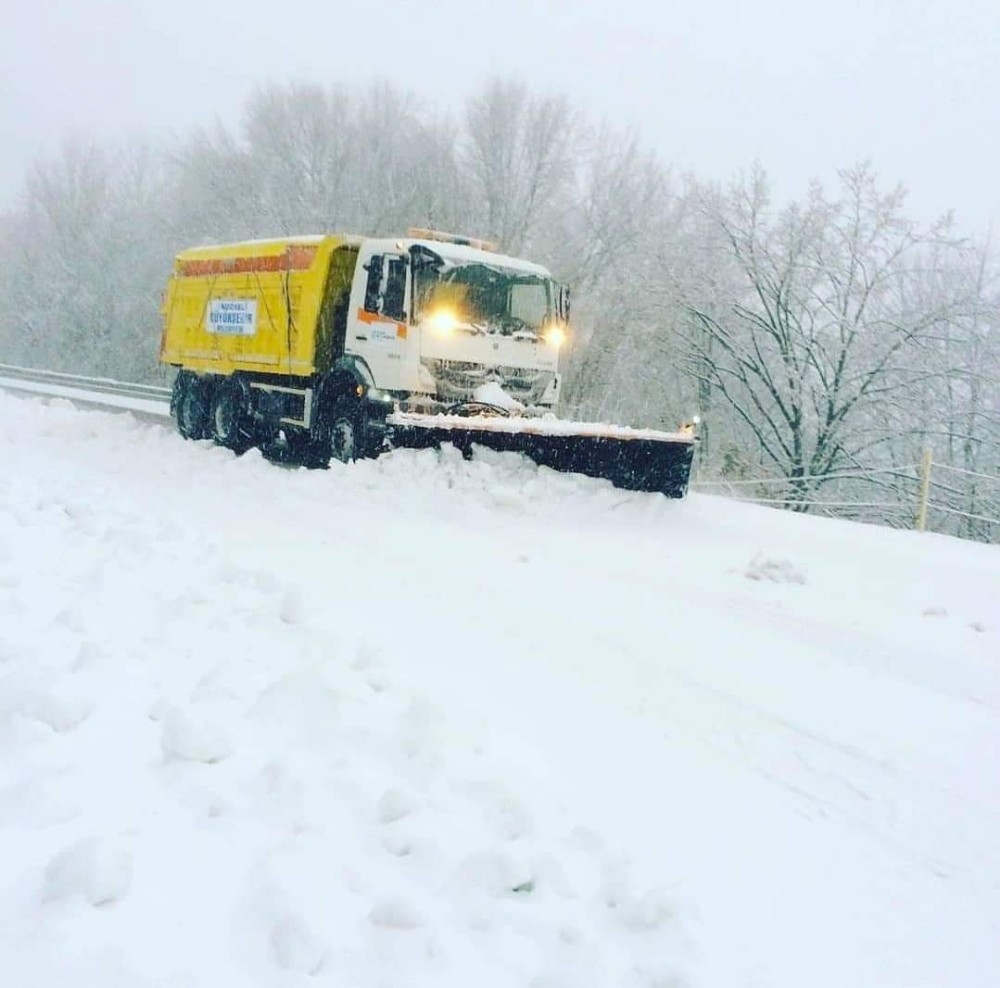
(393, 302)
(373, 287)
(385, 288)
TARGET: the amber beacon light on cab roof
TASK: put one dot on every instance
(341, 347)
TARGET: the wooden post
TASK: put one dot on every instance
(925, 490)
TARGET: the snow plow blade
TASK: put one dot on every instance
(633, 459)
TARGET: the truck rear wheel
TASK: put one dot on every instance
(230, 419)
(192, 409)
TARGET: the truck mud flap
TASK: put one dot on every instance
(657, 465)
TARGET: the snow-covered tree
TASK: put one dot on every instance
(817, 339)
(518, 155)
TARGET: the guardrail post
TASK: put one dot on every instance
(925, 490)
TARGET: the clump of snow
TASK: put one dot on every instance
(764, 568)
(395, 914)
(62, 713)
(87, 657)
(295, 947)
(62, 707)
(70, 618)
(366, 657)
(495, 873)
(643, 912)
(394, 804)
(492, 393)
(98, 869)
(398, 844)
(299, 704)
(190, 736)
(293, 608)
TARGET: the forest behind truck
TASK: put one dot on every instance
(826, 341)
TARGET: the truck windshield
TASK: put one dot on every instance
(483, 297)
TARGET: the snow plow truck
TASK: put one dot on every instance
(342, 347)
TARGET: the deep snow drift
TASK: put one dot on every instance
(423, 722)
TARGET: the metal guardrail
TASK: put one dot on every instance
(94, 385)
(910, 508)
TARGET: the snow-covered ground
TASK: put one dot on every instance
(423, 722)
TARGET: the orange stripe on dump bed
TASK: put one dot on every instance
(294, 259)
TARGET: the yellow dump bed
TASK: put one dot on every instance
(264, 306)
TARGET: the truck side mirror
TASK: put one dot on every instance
(562, 303)
(373, 286)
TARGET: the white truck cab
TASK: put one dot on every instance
(436, 318)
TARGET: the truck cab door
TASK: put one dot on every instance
(378, 324)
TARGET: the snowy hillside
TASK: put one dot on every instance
(422, 722)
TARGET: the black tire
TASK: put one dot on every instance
(230, 423)
(180, 383)
(192, 408)
(345, 437)
(306, 451)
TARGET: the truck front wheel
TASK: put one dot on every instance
(344, 438)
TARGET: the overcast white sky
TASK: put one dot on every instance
(710, 84)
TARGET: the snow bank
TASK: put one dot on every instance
(428, 722)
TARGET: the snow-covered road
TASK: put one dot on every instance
(420, 721)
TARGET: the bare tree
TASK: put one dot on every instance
(299, 140)
(310, 159)
(59, 290)
(405, 170)
(519, 156)
(828, 311)
(86, 254)
(614, 238)
(213, 192)
(950, 405)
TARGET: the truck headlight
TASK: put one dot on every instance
(443, 322)
(554, 335)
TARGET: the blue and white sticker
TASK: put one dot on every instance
(382, 332)
(232, 316)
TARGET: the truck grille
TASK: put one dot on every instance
(458, 379)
